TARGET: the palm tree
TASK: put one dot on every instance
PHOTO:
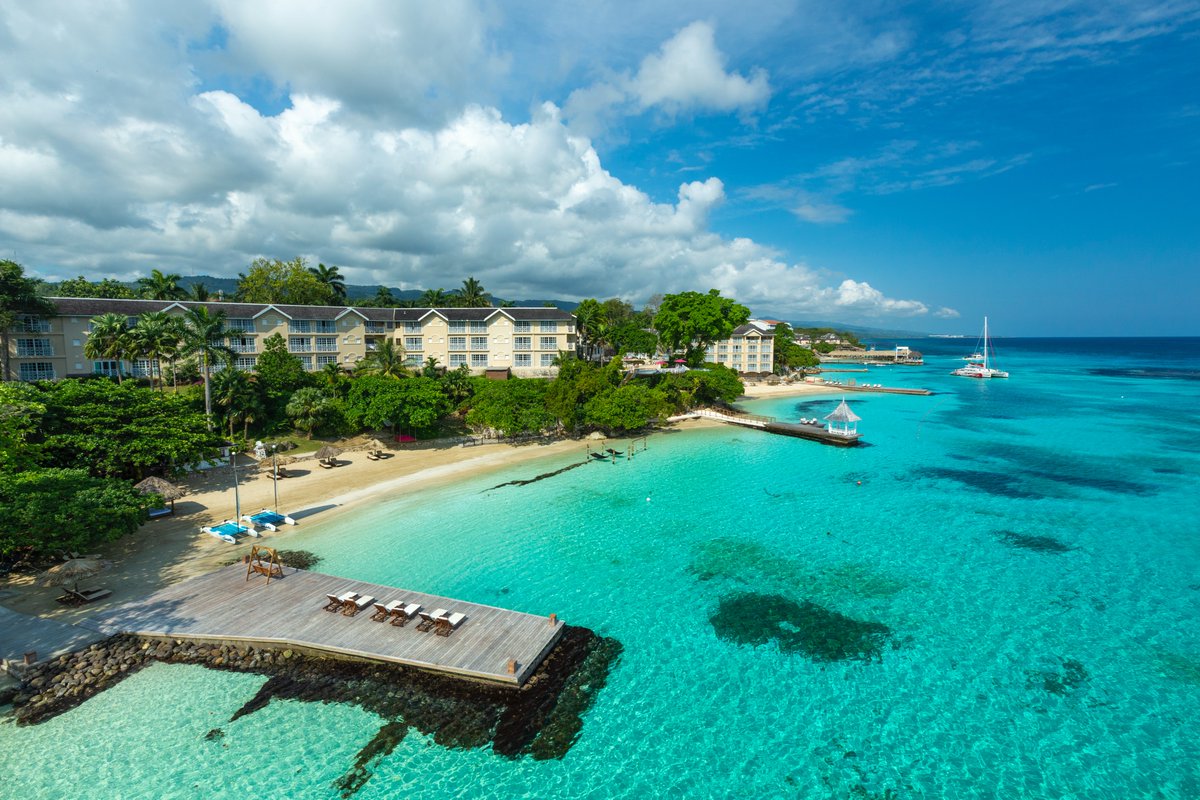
(331, 278)
(161, 287)
(472, 295)
(204, 335)
(430, 370)
(233, 390)
(155, 335)
(387, 359)
(109, 339)
(433, 298)
(308, 408)
(333, 375)
(199, 293)
(384, 298)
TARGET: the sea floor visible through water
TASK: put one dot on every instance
(995, 598)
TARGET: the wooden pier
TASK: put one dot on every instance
(812, 432)
(883, 389)
(225, 607)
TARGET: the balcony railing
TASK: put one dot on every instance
(376, 328)
(300, 348)
(242, 348)
(327, 348)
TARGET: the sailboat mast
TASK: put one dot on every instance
(985, 344)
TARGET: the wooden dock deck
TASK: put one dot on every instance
(224, 607)
(884, 389)
(814, 433)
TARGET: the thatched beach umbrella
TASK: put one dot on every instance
(72, 571)
(165, 489)
(328, 453)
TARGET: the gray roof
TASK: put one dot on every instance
(92, 306)
(742, 330)
(536, 314)
(843, 414)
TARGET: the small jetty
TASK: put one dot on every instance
(877, 389)
(838, 436)
(232, 606)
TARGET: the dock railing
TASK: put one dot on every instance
(753, 420)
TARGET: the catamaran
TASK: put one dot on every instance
(979, 365)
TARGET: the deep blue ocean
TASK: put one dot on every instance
(997, 597)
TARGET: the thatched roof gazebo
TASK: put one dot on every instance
(165, 489)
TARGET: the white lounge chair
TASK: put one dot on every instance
(430, 618)
(402, 615)
(382, 612)
(336, 601)
(357, 604)
(445, 625)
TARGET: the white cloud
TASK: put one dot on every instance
(686, 76)
(946, 313)
(822, 213)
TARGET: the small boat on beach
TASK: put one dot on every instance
(271, 520)
(979, 365)
(230, 531)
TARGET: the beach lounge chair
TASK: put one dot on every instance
(326, 463)
(80, 596)
(381, 454)
(402, 615)
(382, 612)
(444, 626)
(336, 601)
(357, 604)
(373, 455)
(155, 513)
(430, 618)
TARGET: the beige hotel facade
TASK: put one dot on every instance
(523, 340)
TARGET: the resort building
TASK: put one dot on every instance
(524, 340)
(749, 350)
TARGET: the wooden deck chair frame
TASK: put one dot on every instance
(264, 561)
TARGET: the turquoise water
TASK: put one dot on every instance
(1031, 546)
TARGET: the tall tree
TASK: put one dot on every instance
(159, 286)
(387, 359)
(332, 278)
(234, 393)
(473, 295)
(309, 408)
(156, 335)
(589, 315)
(274, 281)
(107, 289)
(384, 298)
(434, 298)
(18, 298)
(109, 339)
(198, 292)
(690, 321)
(204, 335)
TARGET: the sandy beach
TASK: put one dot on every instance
(171, 549)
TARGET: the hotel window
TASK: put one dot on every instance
(326, 344)
(239, 344)
(299, 326)
(375, 328)
(523, 327)
(523, 360)
(548, 343)
(479, 359)
(323, 360)
(479, 327)
(240, 325)
(523, 343)
(246, 362)
(751, 348)
(458, 327)
(458, 343)
(306, 361)
(457, 359)
(479, 343)
(27, 348)
(412, 327)
(737, 348)
(548, 326)
(548, 359)
(724, 348)
(326, 326)
(300, 345)
(36, 371)
(142, 368)
(109, 368)
(28, 324)
(414, 343)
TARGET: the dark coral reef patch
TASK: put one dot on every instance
(798, 627)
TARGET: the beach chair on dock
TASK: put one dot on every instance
(382, 612)
(401, 616)
(75, 597)
(430, 618)
(336, 601)
(356, 604)
(445, 625)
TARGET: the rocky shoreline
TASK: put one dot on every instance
(542, 719)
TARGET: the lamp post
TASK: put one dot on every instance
(275, 477)
(237, 504)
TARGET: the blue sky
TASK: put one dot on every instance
(912, 166)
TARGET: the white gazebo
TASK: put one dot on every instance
(842, 421)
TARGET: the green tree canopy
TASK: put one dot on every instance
(110, 338)
(626, 408)
(788, 354)
(58, 510)
(204, 334)
(514, 406)
(107, 289)
(332, 278)
(473, 295)
(274, 281)
(21, 412)
(689, 322)
(387, 359)
(309, 409)
(159, 286)
(18, 297)
(376, 401)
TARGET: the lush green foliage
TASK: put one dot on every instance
(21, 412)
(158, 286)
(81, 287)
(309, 409)
(688, 322)
(788, 354)
(510, 407)
(387, 359)
(376, 401)
(122, 431)
(626, 408)
(55, 510)
(275, 281)
(332, 278)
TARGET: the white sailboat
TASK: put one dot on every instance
(979, 365)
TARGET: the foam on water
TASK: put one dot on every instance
(1022, 558)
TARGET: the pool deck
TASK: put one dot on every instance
(224, 607)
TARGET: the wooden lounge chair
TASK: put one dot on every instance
(430, 618)
(356, 604)
(80, 596)
(380, 454)
(382, 612)
(402, 615)
(373, 455)
(445, 625)
(327, 463)
(336, 601)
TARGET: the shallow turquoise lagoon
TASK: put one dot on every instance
(1030, 545)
